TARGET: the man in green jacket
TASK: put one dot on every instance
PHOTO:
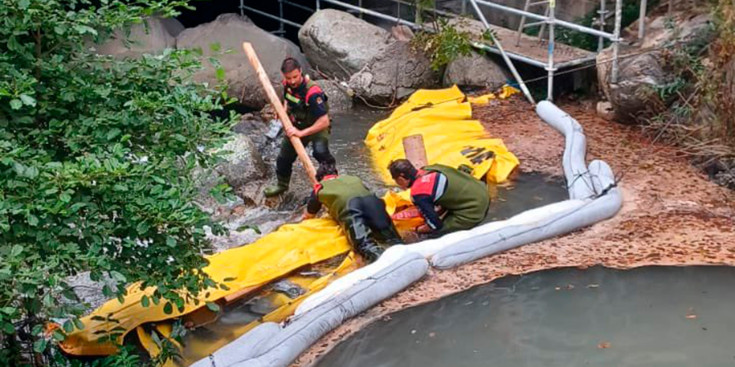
(464, 198)
(361, 214)
(308, 109)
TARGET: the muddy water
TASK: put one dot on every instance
(655, 316)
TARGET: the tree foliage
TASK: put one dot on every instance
(96, 160)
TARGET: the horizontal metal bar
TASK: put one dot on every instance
(562, 23)
(511, 55)
(533, 24)
(295, 5)
(285, 21)
(371, 12)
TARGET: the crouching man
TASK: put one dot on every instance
(439, 190)
(361, 214)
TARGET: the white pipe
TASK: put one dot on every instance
(616, 40)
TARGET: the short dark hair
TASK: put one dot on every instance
(325, 169)
(402, 167)
(290, 64)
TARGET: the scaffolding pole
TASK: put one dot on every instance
(642, 20)
(497, 44)
(550, 67)
(616, 40)
(603, 20)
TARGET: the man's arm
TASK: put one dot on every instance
(426, 206)
(313, 205)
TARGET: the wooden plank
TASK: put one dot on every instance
(413, 147)
(280, 110)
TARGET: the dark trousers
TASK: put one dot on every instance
(287, 155)
(368, 222)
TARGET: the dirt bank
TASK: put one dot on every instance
(671, 215)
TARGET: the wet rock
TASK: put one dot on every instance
(243, 168)
(173, 26)
(394, 74)
(228, 32)
(340, 44)
(338, 95)
(88, 290)
(152, 36)
(475, 71)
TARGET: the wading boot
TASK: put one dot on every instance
(359, 236)
(390, 236)
(279, 188)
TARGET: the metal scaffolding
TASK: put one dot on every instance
(549, 19)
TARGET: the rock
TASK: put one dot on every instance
(605, 110)
(173, 26)
(243, 168)
(642, 66)
(340, 44)
(475, 71)
(337, 95)
(228, 32)
(394, 74)
(152, 36)
(637, 77)
(401, 33)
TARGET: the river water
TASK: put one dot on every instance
(653, 316)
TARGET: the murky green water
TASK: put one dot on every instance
(655, 316)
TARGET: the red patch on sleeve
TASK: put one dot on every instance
(318, 187)
(424, 184)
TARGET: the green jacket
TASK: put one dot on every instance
(466, 198)
(337, 192)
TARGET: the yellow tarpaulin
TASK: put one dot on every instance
(271, 257)
(451, 137)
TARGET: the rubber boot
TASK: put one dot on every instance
(279, 188)
(359, 235)
(390, 236)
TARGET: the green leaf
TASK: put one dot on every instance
(8, 328)
(40, 345)
(16, 104)
(117, 276)
(58, 335)
(28, 100)
(170, 241)
(168, 308)
(112, 134)
(248, 226)
(24, 4)
(51, 191)
(65, 197)
(16, 251)
(220, 74)
(78, 323)
(215, 47)
(68, 326)
(145, 301)
(213, 307)
(32, 220)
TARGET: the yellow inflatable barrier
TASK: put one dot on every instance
(273, 256)
(450, 136)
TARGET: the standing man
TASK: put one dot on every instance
(307, 107)
(464, 198)
(361, 214)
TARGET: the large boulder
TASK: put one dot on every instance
(475, 70)
(638, 76)
(243, 167)
(151, 36)
(394, 74)
(228, 32)
(643, 66)
(338, 95)
(339, 44)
